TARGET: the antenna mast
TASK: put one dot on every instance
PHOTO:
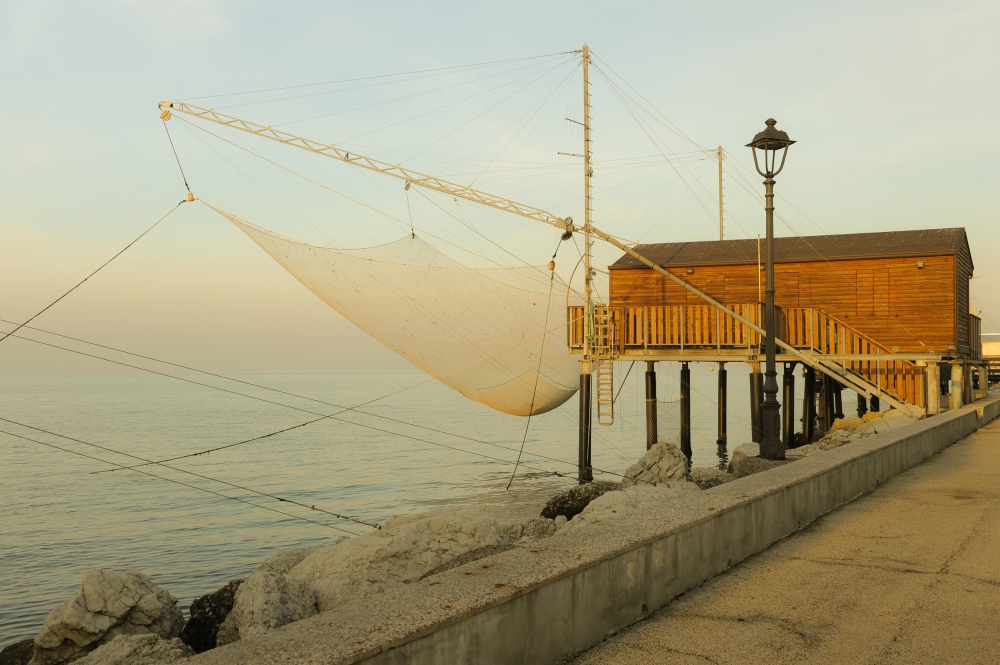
(721, 234)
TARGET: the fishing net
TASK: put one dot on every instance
(496, 335)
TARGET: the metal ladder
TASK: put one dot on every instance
(604, 370)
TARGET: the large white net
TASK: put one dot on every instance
(496, 335)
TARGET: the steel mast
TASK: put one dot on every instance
(584, 469)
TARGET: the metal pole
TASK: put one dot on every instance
(650, 404)
(722, 405)
(808, 404)
(585, 473)
(771, 447)
(721, 233)
(788, 399)
(686, 410)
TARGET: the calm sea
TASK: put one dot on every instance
(59, 519)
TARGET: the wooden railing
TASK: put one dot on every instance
(815, 330)
(975, 336)
(672, 327)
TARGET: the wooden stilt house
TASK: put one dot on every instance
(887, 307)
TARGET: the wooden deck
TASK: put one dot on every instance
(702, 333)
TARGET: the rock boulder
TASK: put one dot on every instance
(138, 650)
(709, 477)
(741, 451)
(266, 600)
(18, 653)
(637, 499)
(747, 466)
(105, 606)
(207, 614)
(572, 502)
(663, 463)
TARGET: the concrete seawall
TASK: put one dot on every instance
(540, 603)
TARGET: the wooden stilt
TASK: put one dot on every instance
(862, 405)
(756, 400)
(584, 471)
(838, 405)
(788, 406)
(686, 410)
(651, 434)
(808, 404)
(723, 380)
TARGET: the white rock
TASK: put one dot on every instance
(709, 477)
(538, 527)
(106, 605)
(560, 521)
(138, 650)
(802, 451)
(631, 500)
(741, 451)
(406, 549)
(266, 600)
(663, 463)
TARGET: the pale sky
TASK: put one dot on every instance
(894, 106)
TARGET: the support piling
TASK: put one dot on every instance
(651, 433)
(723, 380)
(686, 410)
(788, 406)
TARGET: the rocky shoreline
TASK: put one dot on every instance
(125, 618)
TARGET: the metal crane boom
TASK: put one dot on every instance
(499, 203)
(385, 168)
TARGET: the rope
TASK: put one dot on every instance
(178, 482)
(538, 371)
(172, 147)
(43, 310)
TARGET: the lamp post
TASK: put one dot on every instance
(769, 142)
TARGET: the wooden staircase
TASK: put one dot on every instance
(901, 383)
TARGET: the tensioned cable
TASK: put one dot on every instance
(366, 78)
(538, 371)
(192, 473)
(178, 482)
(459, 101)
(174, 148)
(396, 99)
(322, 416)
(101, 267)
(479, 115)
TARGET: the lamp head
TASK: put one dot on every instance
(771, 138)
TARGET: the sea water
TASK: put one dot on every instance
(422, 447)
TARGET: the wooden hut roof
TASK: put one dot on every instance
(930, 242)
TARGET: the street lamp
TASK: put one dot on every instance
(770, 141)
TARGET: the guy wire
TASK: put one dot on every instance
(538, 371)
(178, 482)
(41, 311)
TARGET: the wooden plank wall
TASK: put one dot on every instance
(890, 300)
(963, 273)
